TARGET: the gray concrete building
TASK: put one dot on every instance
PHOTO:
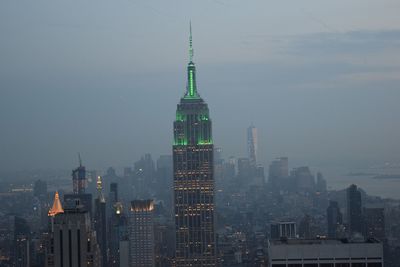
(324, 253)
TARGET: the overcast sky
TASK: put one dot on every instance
(319, 79)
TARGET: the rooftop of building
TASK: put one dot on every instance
(322, 241)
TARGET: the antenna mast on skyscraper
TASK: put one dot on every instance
(191, 52)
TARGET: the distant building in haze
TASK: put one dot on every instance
(278, 170)
(79, 178)
(354, 210)
(79, 189)
(40, 189)
(252, 145)
(334, 219)
(321, 183)
(244, 169)
(283, 230)
(375, 223)
(304, 180)
(113, 196)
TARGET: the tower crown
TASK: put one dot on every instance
(57, 207)
(191, 87)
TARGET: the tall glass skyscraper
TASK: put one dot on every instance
(193, 177)
(252, 145)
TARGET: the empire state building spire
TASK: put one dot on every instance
(191, 44)
(191, 87)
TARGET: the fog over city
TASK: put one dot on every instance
(318, 79)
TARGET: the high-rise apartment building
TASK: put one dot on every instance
(252, 145)
(193, 177)
(141, 233)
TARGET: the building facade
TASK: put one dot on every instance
(73, 241)
(283, 230)
(334, 218)
(141, 233)
(354, 210)
(252, 145)
(193, 178)
(374, 218)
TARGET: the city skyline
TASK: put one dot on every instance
(282, 151)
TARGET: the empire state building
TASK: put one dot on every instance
(193, 177)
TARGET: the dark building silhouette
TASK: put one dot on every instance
(113, 196)
(79, 187)
(321, 183)
(334, 218)
(21, 242)
(100, 222)
(375, 223)
(85, 201)
(144, 176)
(79, 179)
(193, 178)
(304, 180)
(117, 233)
(354, 210)
(305, 227)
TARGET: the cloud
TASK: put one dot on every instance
(347, 43)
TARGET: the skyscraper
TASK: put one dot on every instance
(375, 222)
(141, 233)
(278, 170)
(100, 221)
(193, 177)
(334, 218)
(79, 188)
(79, 178)
(354, 210)
(252, 144)
(73, 242)
(117, 233)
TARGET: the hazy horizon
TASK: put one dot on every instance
(104, 79)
